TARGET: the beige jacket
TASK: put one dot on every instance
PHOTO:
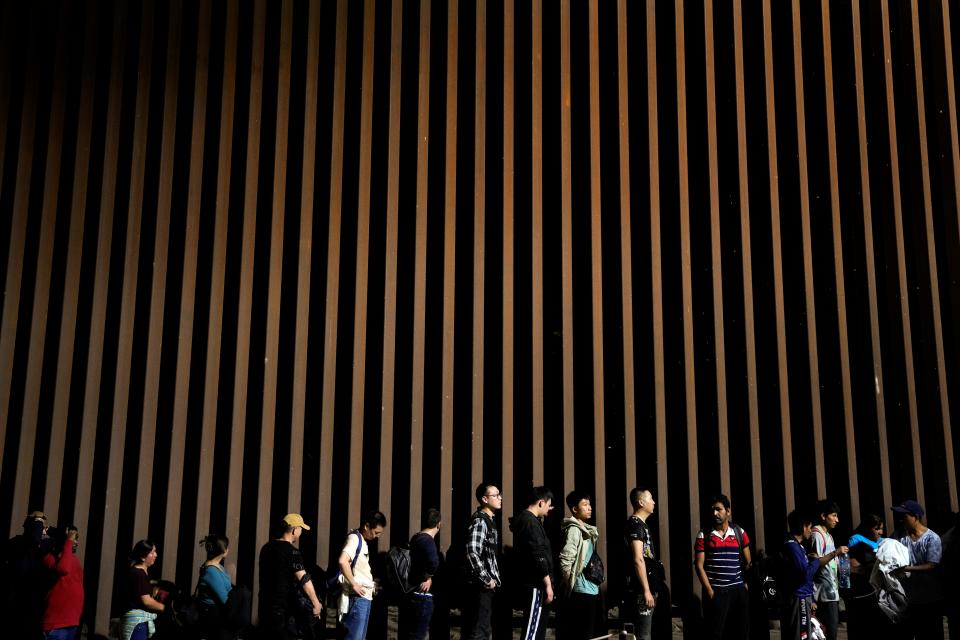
(573, 556)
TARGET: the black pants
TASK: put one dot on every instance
(828, 613)
(578, 617)
(922, 622)
(477, 610)
(795, 618)
(535, 614)
(727, 614)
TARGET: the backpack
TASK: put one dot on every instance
(767, 570)
(398, 571)
(332, 582)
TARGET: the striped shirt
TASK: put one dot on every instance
(721, 559)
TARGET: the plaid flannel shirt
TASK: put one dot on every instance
(482, 546)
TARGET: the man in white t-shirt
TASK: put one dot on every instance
(358, 585)
(826, 591)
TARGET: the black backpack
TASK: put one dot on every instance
(398, 571)
(766, 572)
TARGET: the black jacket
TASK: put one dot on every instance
(534, 555)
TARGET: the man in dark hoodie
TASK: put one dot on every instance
(535, 559)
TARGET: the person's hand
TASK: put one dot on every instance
(425, 586)
(317, 609)
(492, 584)
(358, 589)
(711, 593)
(73, 536)
(649, 600)
(549, 597)
(843, 549)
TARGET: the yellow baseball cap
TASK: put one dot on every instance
(295, 520)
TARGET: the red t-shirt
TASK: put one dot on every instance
(65, 599)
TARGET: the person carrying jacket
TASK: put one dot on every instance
(535, 560)
(580, 613)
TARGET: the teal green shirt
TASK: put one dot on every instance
(581, 584)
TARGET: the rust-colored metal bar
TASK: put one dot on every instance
(479, 241)
(955, 148)
(98, 312)
(41, 291)
(693, 475)
(852, 481)
(420, 268)
(566, 248)
(901, 253)
(785, 431)
(449, 261)
(188, 292)
(932, 260)
(536, 236)
(811, 307)
(271, 348)
(596, 255)
(871, 261)
(508, 252)
(656, 273)
(71, 286)
(245, 301)
(18, 236)
(304, 262)
(211, 384)
(363, 266)
(626, 252)
(756, 478)
(118, 431)
(716, 255)
(390, 262)
(333, 279)
(158, 287)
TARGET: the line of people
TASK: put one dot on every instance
(890, 587)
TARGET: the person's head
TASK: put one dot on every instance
(579, 503)
(430, 519)
(489, 496)
(827, 513)
(215, 545)
(292, 527)
(144, 553)
(540, 501)
(641, 499)
(72, 534)
(912, 513)
(799, 524)
(720, 510)
(373, 525)
(871, 527)
(36, 519)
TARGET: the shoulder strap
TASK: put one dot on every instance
(356, 556)
(738, 532)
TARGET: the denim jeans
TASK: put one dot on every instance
(64, 633)
(415, 614)
(356, 619)
(140, 632)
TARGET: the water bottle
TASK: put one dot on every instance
(843, 571)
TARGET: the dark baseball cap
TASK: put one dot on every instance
(909, 506)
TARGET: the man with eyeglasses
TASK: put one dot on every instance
(483, 544)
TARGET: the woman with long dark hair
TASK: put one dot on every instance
(142, 608)
(864, 617)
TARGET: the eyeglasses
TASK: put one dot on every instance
(494, 495)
